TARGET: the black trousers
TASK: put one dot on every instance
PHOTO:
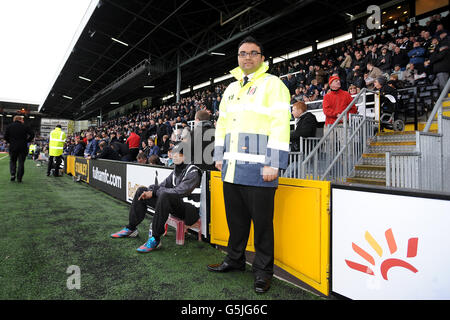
(57, 160)
(244, 204)
(15, 156)
(164, 205)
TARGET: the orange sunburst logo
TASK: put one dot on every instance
(387, 264)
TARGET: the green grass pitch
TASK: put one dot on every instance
(49, 224)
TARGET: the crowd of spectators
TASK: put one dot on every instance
(404, 56)
(145, 136)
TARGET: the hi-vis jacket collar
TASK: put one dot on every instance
(239, 74)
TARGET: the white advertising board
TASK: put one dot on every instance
(390, 247)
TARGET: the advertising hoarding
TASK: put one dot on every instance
(390, 246)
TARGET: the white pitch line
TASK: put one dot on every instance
(4, 157)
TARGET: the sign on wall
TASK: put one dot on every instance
(143, 176)
(390, 246)
(109, 176)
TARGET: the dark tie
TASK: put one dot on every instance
(245, 81)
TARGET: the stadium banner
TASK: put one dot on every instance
(301, 228)
(82, 168)
(109, 176)
(390, 244)
(69, 165)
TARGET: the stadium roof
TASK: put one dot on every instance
(127, 45)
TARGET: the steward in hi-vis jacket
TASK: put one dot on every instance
(251, 146)
(55, 149)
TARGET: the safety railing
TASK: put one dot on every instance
(341, 147)
(437, 110)
(403, 170)
(431, 165)
(446, 152)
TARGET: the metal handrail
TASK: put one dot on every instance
(438, 109)
(333, 126)
(341, 151)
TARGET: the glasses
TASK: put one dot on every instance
(252, 54)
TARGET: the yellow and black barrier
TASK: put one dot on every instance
(301, 228)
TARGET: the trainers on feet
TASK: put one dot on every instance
(150, 245)
(125, 233)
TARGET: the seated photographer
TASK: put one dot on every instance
(173, 196)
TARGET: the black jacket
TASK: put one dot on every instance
(440, 60)
(183, 182)
(108, 153)
(306, 127)
(18, 136)
(121, 148)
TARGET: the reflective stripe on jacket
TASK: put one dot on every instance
(253, 128)
(57, 140)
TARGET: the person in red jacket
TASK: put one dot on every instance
(133, 144)
(336, 101)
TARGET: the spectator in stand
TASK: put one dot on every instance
(335, 102)
(398, 72)
(384, 61)
(202, 136)
(112, 137)
(346, 64)
(399, 57)
(154, 159)
(305, 124)
(373, 73)
(160, 131)
(92, 146)
(141, 158)
(106, 152)
(78, 150)
(409, 74)
(165, 146)
(417, 56)
(133, 145)
(152, 149)
(122, 150)
(440, 62)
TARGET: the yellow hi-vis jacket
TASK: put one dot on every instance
(56, 145)
(32, 149)
(253, 128)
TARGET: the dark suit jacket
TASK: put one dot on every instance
(306, 127)
(18, 135)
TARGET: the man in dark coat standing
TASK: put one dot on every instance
(18, 136)
(305, 124)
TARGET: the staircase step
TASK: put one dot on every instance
(393, 146)
(370, 171)
(375, 159)
(370, 167)
(378, 182)
(395, 136)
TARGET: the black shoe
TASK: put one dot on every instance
(224, 267)
(13, 178)
(261, 285)
(48, 174)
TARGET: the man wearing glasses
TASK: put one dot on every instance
(251, 146)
